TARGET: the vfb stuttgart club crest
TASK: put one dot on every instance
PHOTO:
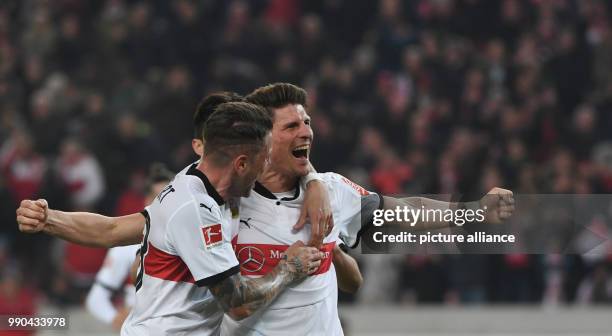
(253, 259)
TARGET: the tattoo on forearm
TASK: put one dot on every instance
(240, 296)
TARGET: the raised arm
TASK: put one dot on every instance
(497, 204)
(347, 271)
(82, 228)
(241, 296)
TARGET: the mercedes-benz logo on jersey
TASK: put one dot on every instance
(253, 259)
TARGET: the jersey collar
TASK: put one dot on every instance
(212, 192)
(263, 191)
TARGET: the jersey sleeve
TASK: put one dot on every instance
(115, 269)
(353, 207)
(202, 239)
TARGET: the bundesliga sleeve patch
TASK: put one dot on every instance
(212, 235)
(356, 186)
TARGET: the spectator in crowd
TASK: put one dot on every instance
(80, 172)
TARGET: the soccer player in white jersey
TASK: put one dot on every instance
(309, 308)
(116, 273)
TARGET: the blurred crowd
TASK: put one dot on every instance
(407, 97)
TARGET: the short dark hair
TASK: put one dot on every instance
(235, 128)
(207, 106)
(277, 95)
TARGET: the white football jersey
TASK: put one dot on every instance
(186, 248)
(266, 221)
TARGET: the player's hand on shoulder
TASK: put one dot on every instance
(32, 215)
(499, 205)
(303, 260)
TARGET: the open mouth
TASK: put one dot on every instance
(301, 151)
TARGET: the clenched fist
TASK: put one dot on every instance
(32, 215)
(499, 205)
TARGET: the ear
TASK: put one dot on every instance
(198, 146)
(241, 164)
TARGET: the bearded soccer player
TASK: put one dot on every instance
(187, 252)
(191, 269)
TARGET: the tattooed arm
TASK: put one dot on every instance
(241, 296)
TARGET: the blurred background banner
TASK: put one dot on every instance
(406, 98)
